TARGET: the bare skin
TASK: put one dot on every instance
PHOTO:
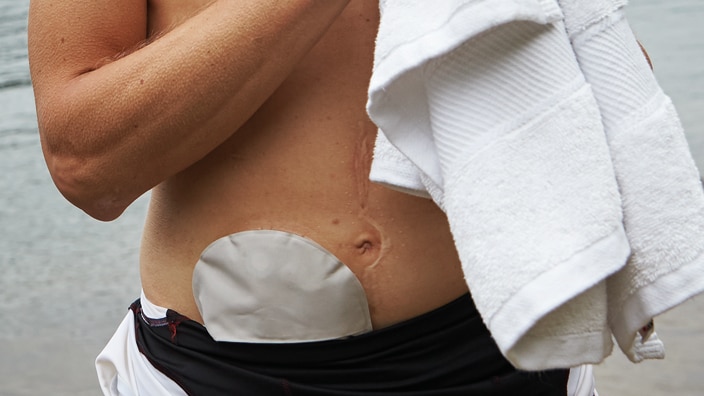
(265, 129)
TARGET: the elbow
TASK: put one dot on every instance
(83, 186)
(80, 174)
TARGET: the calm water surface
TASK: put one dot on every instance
(66, 280)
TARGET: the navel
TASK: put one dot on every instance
(368, 244)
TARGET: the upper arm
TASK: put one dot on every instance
(69, 38)
(112, 130)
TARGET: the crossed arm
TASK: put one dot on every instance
(117, 117)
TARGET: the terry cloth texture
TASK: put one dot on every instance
(539, 128)
(445, 352)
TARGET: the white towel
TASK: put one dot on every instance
(662, 205)
(533, 123)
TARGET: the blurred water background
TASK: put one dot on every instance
(66, 280)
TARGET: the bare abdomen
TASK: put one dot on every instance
(301, 165)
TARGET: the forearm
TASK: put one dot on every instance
(112, 133)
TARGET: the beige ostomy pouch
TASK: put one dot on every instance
(277, 287)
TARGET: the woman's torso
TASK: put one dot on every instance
(301, 164)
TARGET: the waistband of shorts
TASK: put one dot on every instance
(151, 310)
(460, 315)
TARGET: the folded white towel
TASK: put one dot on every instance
(662, 205)
(532, 133)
